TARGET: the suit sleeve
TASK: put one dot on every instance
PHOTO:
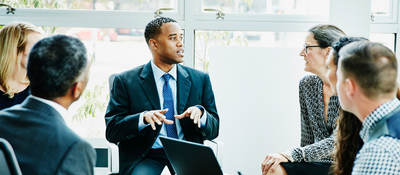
(208, 102)
(80, 159)
(120, 125)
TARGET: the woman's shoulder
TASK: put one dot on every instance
(6, 101)
(310, 81)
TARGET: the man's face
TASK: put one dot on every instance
(341, 90)
(170, 44)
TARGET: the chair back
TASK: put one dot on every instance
(111, 80)
(8, 161)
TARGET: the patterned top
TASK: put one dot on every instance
(317, 138)
(382, 155)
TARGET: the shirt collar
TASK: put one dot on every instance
(60, 109)
(374, 117)
(158, 73)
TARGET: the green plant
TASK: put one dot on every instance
(94, 102)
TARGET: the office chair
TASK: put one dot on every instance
(8, 161)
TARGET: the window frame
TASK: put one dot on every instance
(391, 18)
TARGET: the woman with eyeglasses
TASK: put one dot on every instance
(16, 41)
(318, 105)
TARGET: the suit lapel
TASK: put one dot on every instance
(183, 84)
(149, 86)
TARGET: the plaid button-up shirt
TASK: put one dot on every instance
(382, 155)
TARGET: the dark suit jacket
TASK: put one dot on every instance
(135, 91)
(43, 144)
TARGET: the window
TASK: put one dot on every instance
(265, 35)
(388, 39)
(131, 5)
(384, 11)
(112, 50)
(381, 7)
(276, 7)
(206, 40)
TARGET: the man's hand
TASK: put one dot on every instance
(194, 113)
(156, 116)
(271, 162)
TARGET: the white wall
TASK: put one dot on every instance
(256, 91)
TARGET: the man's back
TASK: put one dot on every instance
(42, 142)
(380, 153)
(380, 156)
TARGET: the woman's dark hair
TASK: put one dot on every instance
(348, 140)
(348, 143)
(342, 42)
(326, 34)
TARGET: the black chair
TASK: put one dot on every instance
(113, 147)
(111, 80)
(8, 161)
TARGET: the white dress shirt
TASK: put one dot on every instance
(60, 109)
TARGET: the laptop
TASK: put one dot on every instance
(188, 158)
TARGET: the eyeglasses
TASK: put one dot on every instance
(305, 47)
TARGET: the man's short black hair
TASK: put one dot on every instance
(54, 65)
(153, 28)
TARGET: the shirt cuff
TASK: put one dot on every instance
(141, 122)
(203, 119)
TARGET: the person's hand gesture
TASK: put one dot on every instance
(156, 116)
(194, 113)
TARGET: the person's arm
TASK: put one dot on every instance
(204, 115)
(211, 129)
(80, 159)
(120, 125)
(318, 151)
(307, 136)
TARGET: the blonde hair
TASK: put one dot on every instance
(13, 39)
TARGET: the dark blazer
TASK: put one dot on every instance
(43, 144)
(135, 91)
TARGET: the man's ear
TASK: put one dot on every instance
(153, 44)
(77, 89)
(351, 87)
(327, 51)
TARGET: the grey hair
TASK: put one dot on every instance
(326, 34)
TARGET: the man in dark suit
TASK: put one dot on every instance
(58, 72)
(145, 103)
